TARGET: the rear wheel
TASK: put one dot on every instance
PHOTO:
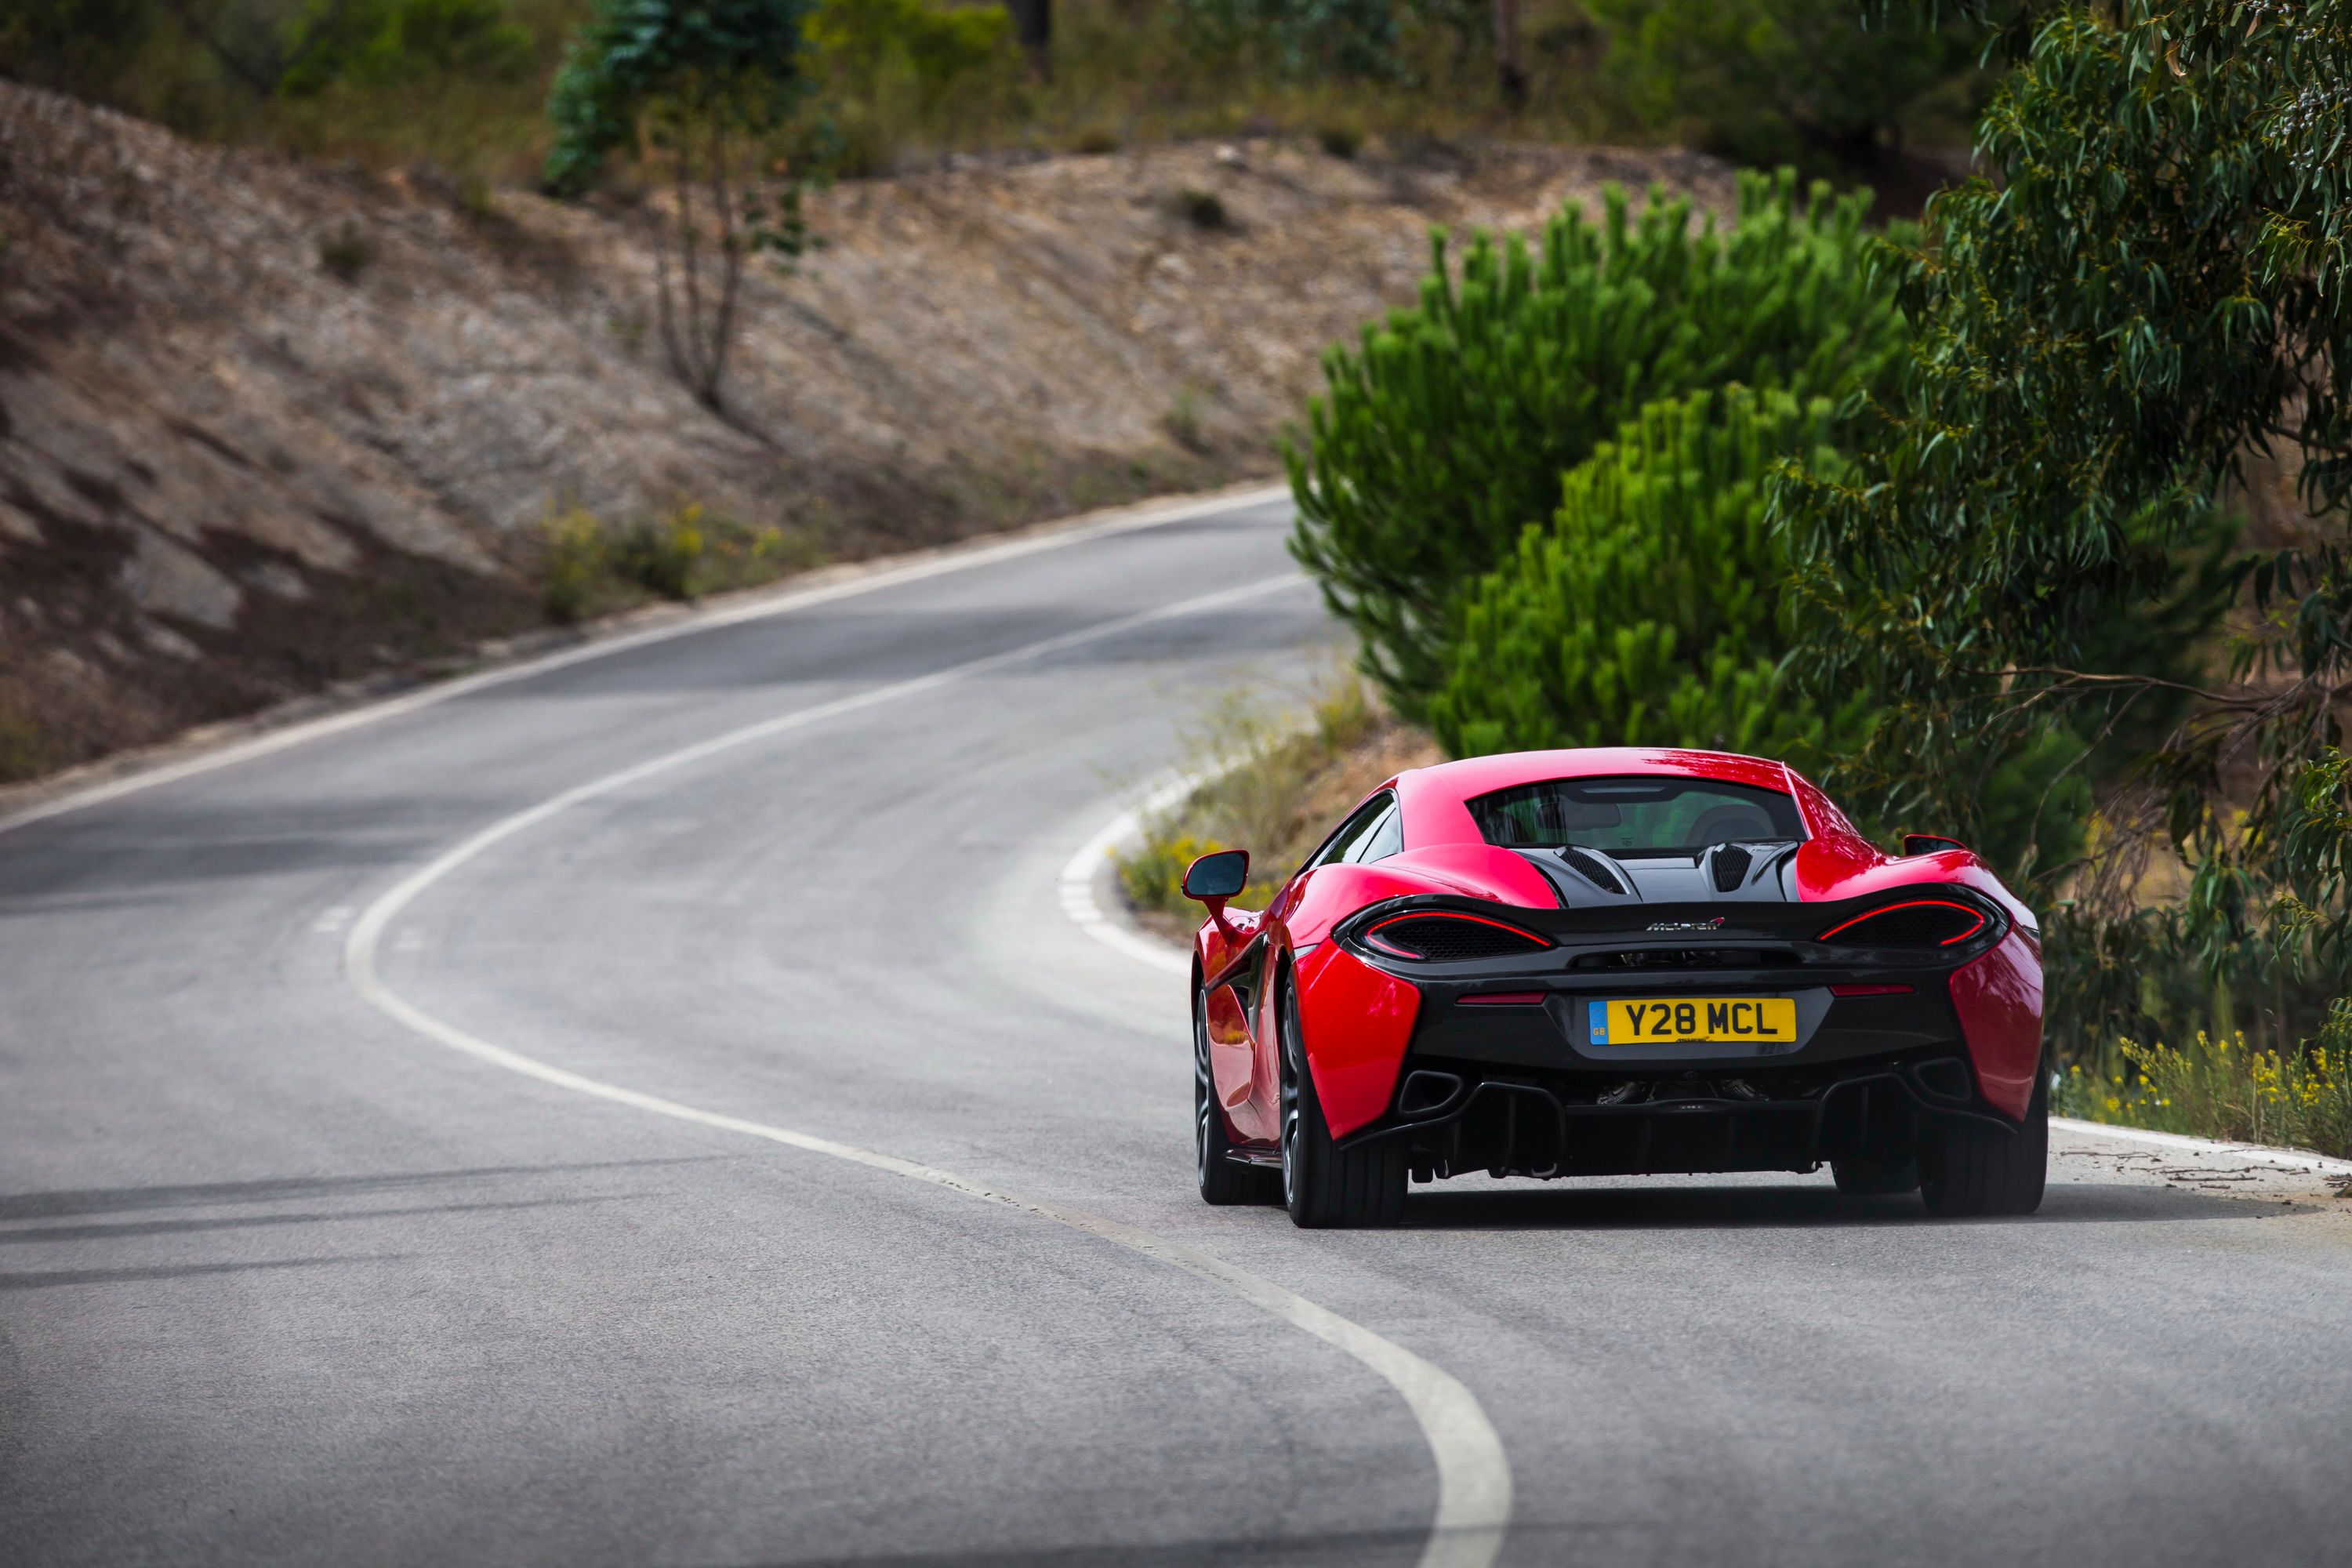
(1967, 1169)
(1222, 1179)
(1324, 1185)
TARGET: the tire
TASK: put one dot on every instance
(1865, 1177)
(1325, 1186)
(1966, 1170)
(1223, 1181)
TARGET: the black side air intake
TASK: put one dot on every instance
(1592, 869)
(1730, 863)
(1441, 937)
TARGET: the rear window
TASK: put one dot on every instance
(1631, 817)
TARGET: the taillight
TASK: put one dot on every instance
(1438, 935)
(1922, 922)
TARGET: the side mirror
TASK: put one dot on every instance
(1928, 843)
(1213, 879)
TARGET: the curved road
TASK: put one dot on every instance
(289, 1275)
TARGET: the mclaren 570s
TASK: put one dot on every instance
(1610, 963)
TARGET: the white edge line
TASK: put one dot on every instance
(1078, 880)
(2258, 1153)
(1474, 1474)
(782, 601)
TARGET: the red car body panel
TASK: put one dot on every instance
(1998, 999)
(1358, 1022)
(1354, 1022)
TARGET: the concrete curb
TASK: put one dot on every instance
(2257, 1153)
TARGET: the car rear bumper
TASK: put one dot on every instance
(1460, 1115)
(1502, 1071)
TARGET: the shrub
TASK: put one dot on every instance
(1322, 39)
(862, 38)
(25, 748)
(661, 555)
(1183, 420)
(572, 565)
(1274, 771)
(345, 253)
(1772, 80)
(386, 43)
(2222, 1088)
(1152, 875)
(1652, 610)
(1445, 432)
(74, 45)
(1202, 209)
(2145, 284)
(1340, 138)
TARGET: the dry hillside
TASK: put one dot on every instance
(230, 472)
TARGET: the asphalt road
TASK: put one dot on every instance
(287, 1277)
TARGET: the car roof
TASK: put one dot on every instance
(1474, 776)
(1433, 798)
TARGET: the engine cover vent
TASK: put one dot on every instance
(1594, 869)
(1730, 866)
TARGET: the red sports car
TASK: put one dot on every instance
(1615, 961)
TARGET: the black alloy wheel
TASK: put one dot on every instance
(1324, 1185)
(1223, 1180)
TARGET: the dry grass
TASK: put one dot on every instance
(1125, 73)
(1287, 780)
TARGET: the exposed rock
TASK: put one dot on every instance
(230, 472)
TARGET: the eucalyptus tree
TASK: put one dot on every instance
(700, 90)
(2146, 290)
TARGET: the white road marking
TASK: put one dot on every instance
(329, 921)
(1473, 1476)
(1076, 883)
(858, 578)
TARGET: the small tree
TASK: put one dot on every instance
(1445, 429)
(1650, 611)
(702, 88)
(1771, 80)
(2150, 283)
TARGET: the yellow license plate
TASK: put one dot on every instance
(1712, 1019)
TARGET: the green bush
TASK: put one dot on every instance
(2221, 1087)
(660, 555)
(862, 38)
(1652, 610)
(573, 565)
(387, 43)
(1363, 40)
(345, 253)
(74, 45)
(1771, 80)
(2145, 285)
(1446, 431)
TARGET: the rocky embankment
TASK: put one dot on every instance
(265, 425)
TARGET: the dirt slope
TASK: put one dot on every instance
(230, 474)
